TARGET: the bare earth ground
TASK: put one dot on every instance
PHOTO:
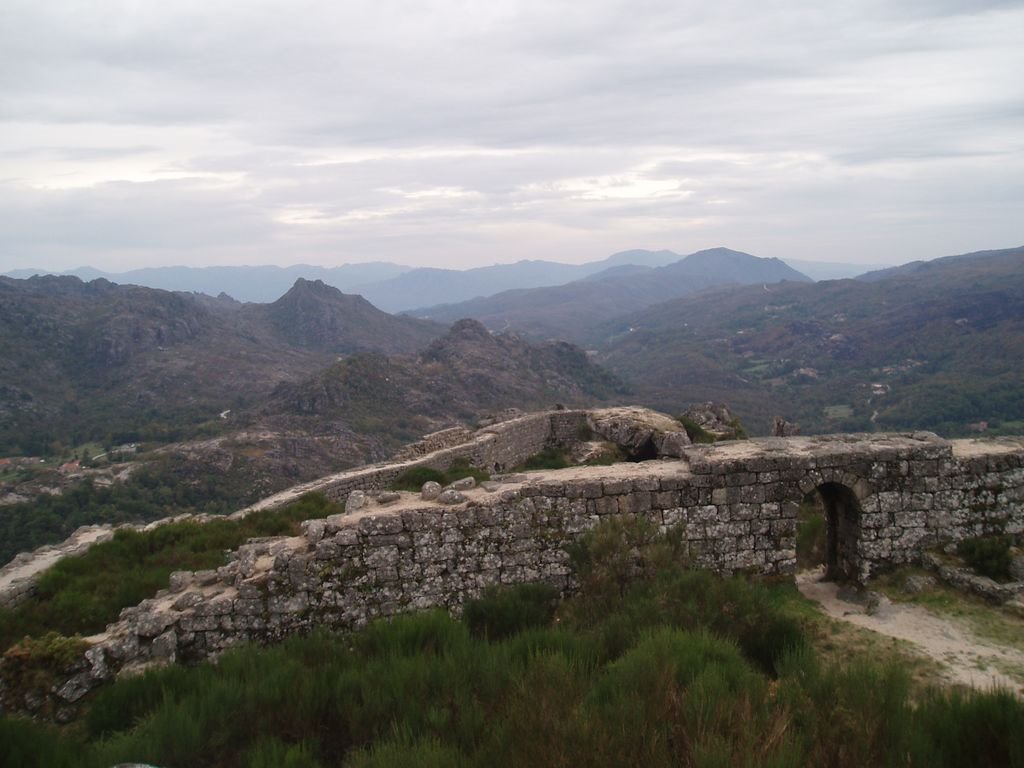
(965, 658)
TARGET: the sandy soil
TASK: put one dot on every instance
(967, 659)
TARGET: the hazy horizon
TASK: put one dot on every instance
(456, 135)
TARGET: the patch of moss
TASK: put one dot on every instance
(695, 431)
(33, 666)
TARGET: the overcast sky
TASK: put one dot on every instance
(461, 133)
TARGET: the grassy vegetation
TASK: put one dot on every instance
(843, 411)
(980, 616)
(549, 458)
(610, 454)
(556, 458)
(698, 434)
(81, 595)
(810, 533)
(649, 665)
(413, 479)
(989, 556)
(695, 431)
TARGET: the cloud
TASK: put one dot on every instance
(458, 133)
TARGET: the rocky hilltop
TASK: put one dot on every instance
(101, 362)
(465, 373)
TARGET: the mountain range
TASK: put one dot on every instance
(570, 311)
(396, 288)
(933, 345)
(237, 400)
(84, 361)
(96, 361)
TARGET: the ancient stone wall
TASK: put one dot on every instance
(497, 448)
(735, 505)
(435, 441)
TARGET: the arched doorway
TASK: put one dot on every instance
(829, 532)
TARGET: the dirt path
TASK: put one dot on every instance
(29, 564)
(966, 658)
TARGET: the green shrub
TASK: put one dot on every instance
(989, 556)
(34, 665)
(461, 468)
(425, 633)
(957, 729)
(505, 611)
(401, 752)
(610, 454)
(549, 458)
(81, 595)
(695, 431)
(119, 707)
(738, 430)
(29, 744)
(675, 669)
(620, 551)
(413, 479)
(272, 752)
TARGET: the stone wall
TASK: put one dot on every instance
(736, 506)
(435, 441)
(905, 492)
(496, 448)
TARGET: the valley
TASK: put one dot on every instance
(264, 396)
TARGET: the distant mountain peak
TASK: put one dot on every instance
(468, 328)
(317, 287)
(316, 315)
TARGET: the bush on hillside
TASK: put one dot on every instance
(501, 613)
(413, 479)
(989, 556)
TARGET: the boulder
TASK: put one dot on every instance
(463, 484)
(180, 580)
(430, 490)
(673, 443)
(783, 428)
(640, 432)
(716, 419)
(355, 501)
(1016, 565)
(451, 496)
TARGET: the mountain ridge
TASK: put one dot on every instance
(569, 310)
(939, 348)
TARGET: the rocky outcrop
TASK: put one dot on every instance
(783, 428)
(640, 432)
(716, 419)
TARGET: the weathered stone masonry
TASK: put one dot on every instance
(495, 448)
(887, 498)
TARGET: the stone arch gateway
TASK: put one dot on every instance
(842, 531)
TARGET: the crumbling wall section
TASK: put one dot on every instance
(496, 448)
